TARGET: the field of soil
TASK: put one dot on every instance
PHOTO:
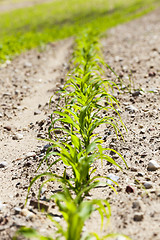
(26, 85)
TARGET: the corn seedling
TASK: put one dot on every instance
(85, 94)
(75, 215)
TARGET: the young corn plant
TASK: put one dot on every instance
(80, 161)
(84, 95)
(74, 214)
(82, 116)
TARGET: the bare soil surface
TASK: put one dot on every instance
(28, 82)
(8, 5)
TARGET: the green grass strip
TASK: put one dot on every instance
(23, 29)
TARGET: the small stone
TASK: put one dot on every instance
(105, 137)
(6, 94)
(27, 65)
(28, 214)
(143, 131)
(1, 115)
(57, 219)
(136, 93)
(143, 155)
(151, 74)
(40, 135)
(27, 164)
(147, 185)
(17, 210)
(39, 204)
(153, 166)
(138, 217)
(37, 112)
(112, 177)
(136, 205)
(3, 164)
(8, 128)
(18, 136)
(158, 193)
(140, 174)
(129, 189)
(57, 131)
(134, 169)
(118, 59)
(41, 123)
(30, 154)
(125, 68)
(43, 190)
(131, 109)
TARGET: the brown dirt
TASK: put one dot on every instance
(133, 50)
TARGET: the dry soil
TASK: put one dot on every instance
(28, 82)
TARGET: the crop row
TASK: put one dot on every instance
(85, 96)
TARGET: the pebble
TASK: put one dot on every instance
(144, 154)
(140, 174)
(112, 177)
(40, 135)
(27, 164)
(28, 214)
(147, 185)
(37, 112)
(7, 128)
(30, 154)
(129, 189)
(134, 169)
(142, 131)
(57, 131)
(27, 65)
(118, 59)
(131, 109)
(136, 93)
(119, 110)
(105, 137)
(1, 115)
(158, 193)
(151, 74)
(44, 149)
(57, 219)
(18, 136)
(3, 164)
(138, 217)
(38, 204)
(136, 205)
(43, 190)
(153, 165)
(17, 210)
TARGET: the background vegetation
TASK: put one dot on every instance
(27, 28)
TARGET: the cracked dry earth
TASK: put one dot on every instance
(27, 83)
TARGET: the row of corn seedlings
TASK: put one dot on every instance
(85, 96)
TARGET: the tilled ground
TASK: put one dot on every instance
(133, 51)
